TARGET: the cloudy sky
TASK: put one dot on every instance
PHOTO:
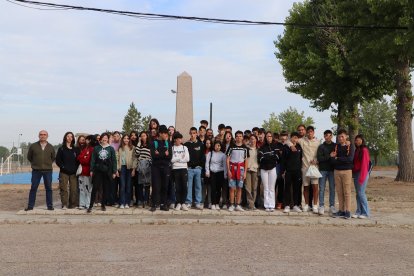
(79, 70)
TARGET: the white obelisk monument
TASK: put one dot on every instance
(184, 105)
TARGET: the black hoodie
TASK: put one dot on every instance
(268, 156)
(66, 159)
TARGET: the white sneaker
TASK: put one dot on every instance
(315, 209)
(64, 208)
(239, 208)
(362, 217)
(332, 210)
(321, 210)
(306, 208)
(178, 207)
(122, 206)
(272, 209)
(213, 207)
(231, 208)
(355, 216)
(199, 207)
(286, 210)
(209, 206)
(184, 207)
(126, 206)
(224, 207)
(99, 204)
(172, 206)
(297, 209)
(217, 207)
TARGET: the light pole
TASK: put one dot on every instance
(19, 150)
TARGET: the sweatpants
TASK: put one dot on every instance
(251, 188)
(293, 189)
(343, 184)
(217, 183)
(100, 180)
(68, 188)
(269, 182)
(160, 177)
(180, 179)
(85, 190)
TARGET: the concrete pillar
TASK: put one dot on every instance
(184, 105)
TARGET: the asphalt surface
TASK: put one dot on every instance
(95, 249)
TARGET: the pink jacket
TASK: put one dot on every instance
(361, 165)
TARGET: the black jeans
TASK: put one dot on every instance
(180, 179)
(100, 180)
(280, 186)
(217, 183)
(293, 188)
(160, 177)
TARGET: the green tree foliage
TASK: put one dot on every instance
(287, 120)
(272, 124)
(291, 118)
(133, 120)
(4, 152)
(379, 129)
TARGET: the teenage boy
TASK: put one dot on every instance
(204, 123)
(237, 155)
(209, 134)
(229, 129)
(221, 132)
(342, 158)
(327, 170)
(195, 167)
(180, 158)
(161, 154)
(202, 134)
(280, 182)
(310, 146)
(292, 171)
(112, 199)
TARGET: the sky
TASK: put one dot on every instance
(79, 71)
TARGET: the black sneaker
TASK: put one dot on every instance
(50, 208)
(165, 208)
(28, 209)
(103, 208)
(347, 215)
(153, 209)
(339, 214)
(89, 210)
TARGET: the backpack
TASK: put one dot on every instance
(156, 144)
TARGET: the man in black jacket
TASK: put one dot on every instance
(161, 154)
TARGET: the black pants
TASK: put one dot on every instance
(293, 188)
(160, 177)
(180, 179)
(280, 186)
(134, 188)
(112, 192)
(217, 183)
(100, 180)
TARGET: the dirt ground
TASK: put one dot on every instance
(200, 250)
(384, 195)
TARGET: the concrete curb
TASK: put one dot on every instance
(198, 217)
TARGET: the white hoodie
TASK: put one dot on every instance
(180, 157)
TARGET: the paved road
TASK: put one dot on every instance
(94, 249)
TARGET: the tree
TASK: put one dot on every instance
(145, 122)
(287, 120)
(379, 129)
(317, 66)
(291, 118)
(391, 49)
(132, 120)
(4, 152)
(273, 124)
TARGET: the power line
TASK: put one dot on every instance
(154, 16)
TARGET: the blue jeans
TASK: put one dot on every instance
(124, 185)
(361, 197)
(327, 175)
(47, 180)
(194, 176)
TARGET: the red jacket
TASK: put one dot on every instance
(84, 159)
(361, 165)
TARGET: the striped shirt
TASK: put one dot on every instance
(237, 154)
(142, 153)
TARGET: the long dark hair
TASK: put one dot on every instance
(148, 139)
(361, 147)
(265, 139)
(223, 144)
(64, 139)
(122, 144)
(153, 120)
(136, 134)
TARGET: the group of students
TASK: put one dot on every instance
(254, 169)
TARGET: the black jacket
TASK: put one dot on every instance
(268, 156)
(196, 152)
(324, 156)
(344, 157)
(292, 160)
(158, 149)
(66, 159)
